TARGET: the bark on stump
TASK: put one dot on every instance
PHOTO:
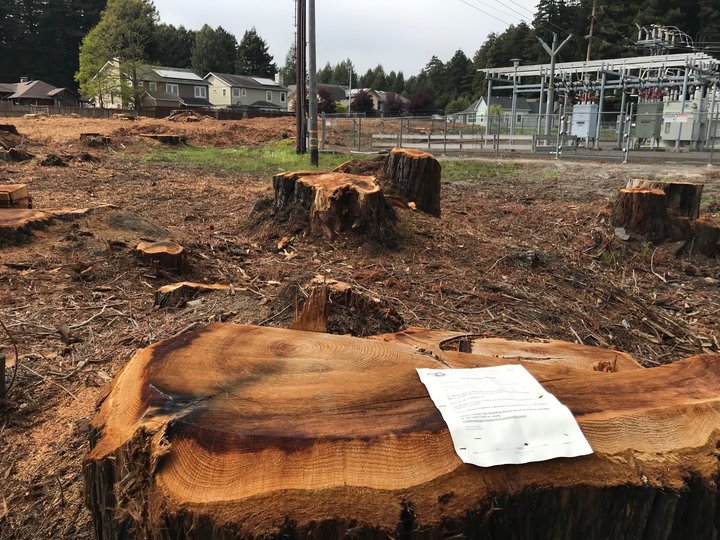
(644, 212)
(706, 236)
(247, 432)
(336, 202)
(415, 176)
(681, 198)
(166, 255)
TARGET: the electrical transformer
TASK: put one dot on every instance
(649, 121)
(584, 120)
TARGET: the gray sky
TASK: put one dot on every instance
(399, 34)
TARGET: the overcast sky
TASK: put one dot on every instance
(399, 34)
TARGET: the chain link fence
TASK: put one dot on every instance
(647, 127)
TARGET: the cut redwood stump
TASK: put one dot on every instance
(681, 198)
(177, 294)
(165, 138)
(415, 176)
(9, 128)
(246, 432)
(17, 224)
(336, 202)
(95, 139)
(706, 236)
(644, 212)
(166, 255)
(15, 196)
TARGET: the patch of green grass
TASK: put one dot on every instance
(459, 170)
(272, 158)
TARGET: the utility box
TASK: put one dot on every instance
(689, 126)
(649, 121)
(584, 120)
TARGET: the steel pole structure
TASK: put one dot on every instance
(598, 128)
(621, 126)
(712, 115)
(487, 112)
(312, 99)
(300, 77)
(540, 103)
(551, 83)
(683, 100)
(513, 108)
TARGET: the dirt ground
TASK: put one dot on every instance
(528, 255)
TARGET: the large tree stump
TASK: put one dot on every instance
(167, 255)
(681, 198)
(644, 212)
(246, 432)
(17, 224)
(415, 175)
(335, 202)
(15, 196)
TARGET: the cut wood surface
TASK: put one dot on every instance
(644, 212)
(335, 202)
(681, 198)
(15, 196)
(248, 432)
(439, 342)
(165, 254)
(177, 294)
(415, 175)
(17, 224)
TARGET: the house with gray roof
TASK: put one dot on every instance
(241, 91)
(39, 93)
(477, 112)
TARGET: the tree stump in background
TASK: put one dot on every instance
(681, 198)
(177, 294)
(415, 176)
(166, 255)
(642, 211)
(335, 202)
(706, 236)
(247, 432)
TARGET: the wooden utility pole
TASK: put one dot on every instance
(312, 74)
(300, 93)
(592, 27)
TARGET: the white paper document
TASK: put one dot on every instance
(501, 415)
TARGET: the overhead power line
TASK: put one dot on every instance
(485, 12)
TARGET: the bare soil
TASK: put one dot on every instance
(529, 256)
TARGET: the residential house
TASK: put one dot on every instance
(383, 96)
(158, 87)
(373, 95)
(240, 91)
(39, 93)
(477, 113)
(337, 93)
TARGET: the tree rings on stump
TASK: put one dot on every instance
(166, 255)
(247, 432)
(415, 176)
(642, 211)
(336, 202)
(176, 294)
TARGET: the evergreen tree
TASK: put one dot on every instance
(172, 46)
(341, 74)
(288, 71)
(213, 50)
(253, 57)
(324, 76)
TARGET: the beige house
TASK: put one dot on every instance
(240, 91)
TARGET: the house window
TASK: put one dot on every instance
(171, 88)
(153, 86)
(282, 97)
(141, 84)
(244, 92)
(224, 92)
(268, 95)
(200, 92)
(236, 92)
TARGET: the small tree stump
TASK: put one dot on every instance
(642, 211)
(335, 202)
(95, 139)
(165, 138)
(415, 176)
(706, 236)
(9, 128)
(15, 196)
(681, 198)
(166, 255)
(177, 294)
(246, 432)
